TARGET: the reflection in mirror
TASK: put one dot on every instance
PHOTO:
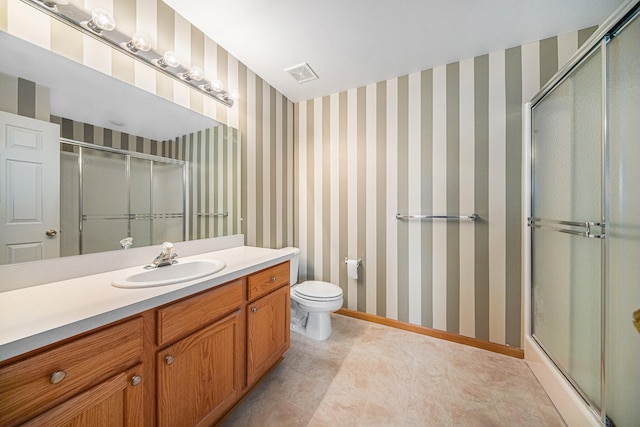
(157, 170)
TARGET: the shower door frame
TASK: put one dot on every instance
(572, 405)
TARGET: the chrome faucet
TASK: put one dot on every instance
(166, 257)
(126, 243)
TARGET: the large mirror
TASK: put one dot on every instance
(127, 164)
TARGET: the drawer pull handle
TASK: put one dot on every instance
(135, 380)
(273, 279)
(254, 309)
(57, 377)
(169, 360)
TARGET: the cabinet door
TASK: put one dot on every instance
(267, 332)
(199, 377)
(117, 401)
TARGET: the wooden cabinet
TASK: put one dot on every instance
(268, 322)
(200, 377)
(200, 355)
(41, 382)
(115, 402)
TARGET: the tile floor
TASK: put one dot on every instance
(372, 375)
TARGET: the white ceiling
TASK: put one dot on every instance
(352, 43)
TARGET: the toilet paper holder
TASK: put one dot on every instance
(359, 261)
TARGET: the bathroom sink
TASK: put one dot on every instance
(171, 274)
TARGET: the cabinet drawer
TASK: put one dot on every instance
(189, 315)
(36, 384)
(265, 281)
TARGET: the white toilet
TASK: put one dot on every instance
(312, 303)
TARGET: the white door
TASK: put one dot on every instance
(29, 189)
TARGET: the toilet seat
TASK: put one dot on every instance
(313, 290)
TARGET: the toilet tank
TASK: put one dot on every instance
(295, 261)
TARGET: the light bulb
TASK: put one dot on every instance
(234, 94)
(214, 86)
(195, 73)
(139, 41)
(170, 59)
(101, 20)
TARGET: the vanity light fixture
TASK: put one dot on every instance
(101, 20)
(138, 42)
(100, 25)
(195, 73)
(52, 3)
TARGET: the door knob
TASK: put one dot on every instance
(636, 319)
(51, 233)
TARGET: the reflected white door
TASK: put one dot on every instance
(29, 189)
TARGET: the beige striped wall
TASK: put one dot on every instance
(444, 141)
(263, 116)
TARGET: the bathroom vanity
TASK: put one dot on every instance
(182, 354)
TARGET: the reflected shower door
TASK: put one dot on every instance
(167, 203)
(140, 196)
(566, 208)
(105, 201)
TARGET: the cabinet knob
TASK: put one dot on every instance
(273, 279)
(135, 380)
(57, 377)
(254, 309)
(169, 359)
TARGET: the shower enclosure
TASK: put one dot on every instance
(585, 222)
(108, 195)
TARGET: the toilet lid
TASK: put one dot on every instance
(318, 290)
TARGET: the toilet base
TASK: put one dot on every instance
(318, 326)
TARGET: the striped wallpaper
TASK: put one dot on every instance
(263, 116)
(444, 141)
(333, 172)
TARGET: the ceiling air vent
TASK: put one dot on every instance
(302, 73)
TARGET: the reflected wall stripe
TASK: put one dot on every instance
(439, 268)
(426, 191)
(371, 184)
(403, 202)
(467, 205)
(567, 46)
(392, 202)
(414, 246)
(481, 195)
(497, 197)
(453, 197)
(352, 195)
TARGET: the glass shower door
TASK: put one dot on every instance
(566, 213)
(623, 222)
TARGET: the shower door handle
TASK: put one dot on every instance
(576, 228)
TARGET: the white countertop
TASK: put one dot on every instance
(40, 315)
